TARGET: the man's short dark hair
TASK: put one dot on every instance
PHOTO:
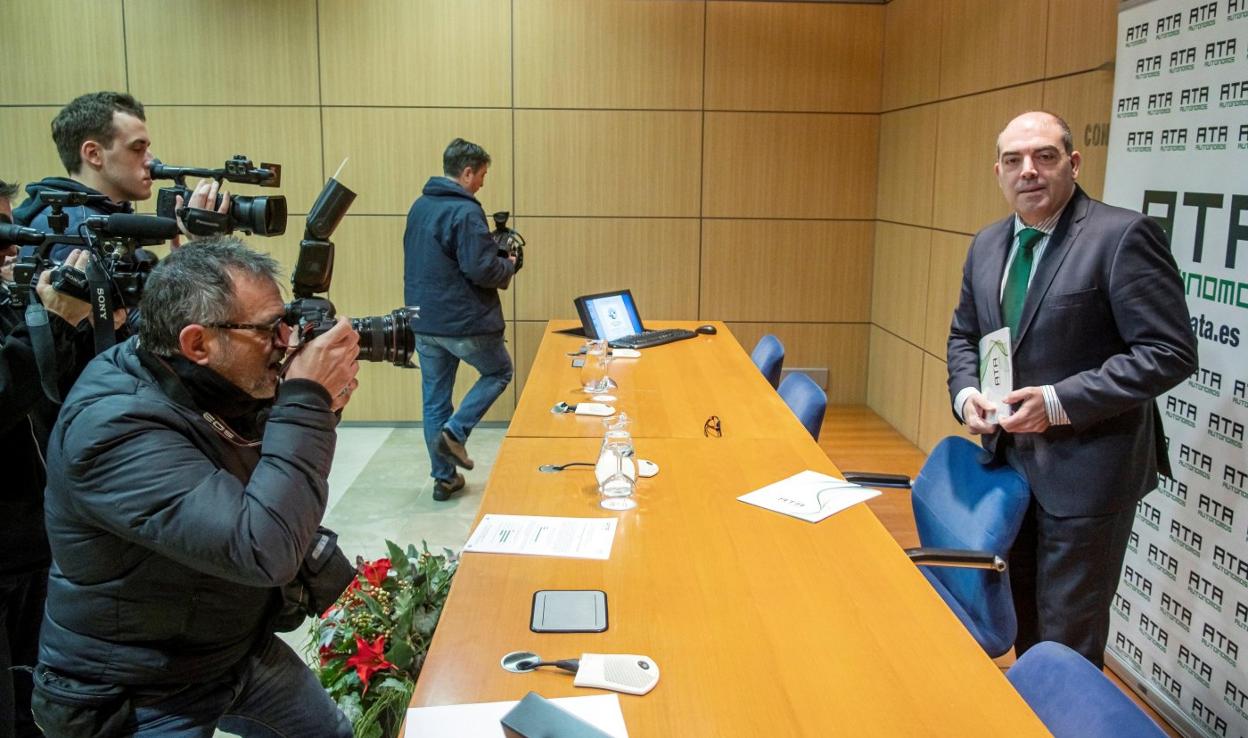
(7, 190)
(89, 117)
(461, 154)
(195, 284)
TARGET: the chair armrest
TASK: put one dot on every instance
(875, 479)
(956, 557)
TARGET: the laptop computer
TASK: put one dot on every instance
(613, 316)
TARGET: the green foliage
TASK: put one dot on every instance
(372, 642)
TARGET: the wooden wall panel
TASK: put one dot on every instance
(609, 54)
(657, 258)
(29, 154)
(907, 164)
(899, 294)
(1086, 102)
(46, 65)
(528, 337)
(617, 163)
(936, 418)
(894, 377)
(988, 44)
(793, 56)
(416, 52)
(944, 285)
(222, 53)
(759, 270)
(393, 152)
(967, 196)
(781, 165)
(840, 347)
(911, 65)
(1082, 34)
(206, 137)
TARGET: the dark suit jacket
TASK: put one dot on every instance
(1106, 324)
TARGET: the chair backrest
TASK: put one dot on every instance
(807, 401)
(960, 503)
(1073, 698)
(768, 356)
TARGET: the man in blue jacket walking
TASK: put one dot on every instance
(453, 271)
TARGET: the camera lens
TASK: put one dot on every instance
(263, 216)
(387, 337)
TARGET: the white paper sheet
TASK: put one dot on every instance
(996, 372)
(530, 535)
(809, 495)
(481, 720)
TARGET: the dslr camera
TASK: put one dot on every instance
(117, 272)
(263, 215)
(386, 338)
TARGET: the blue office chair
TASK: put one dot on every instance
(1073, 698)
(768, 356)
(807, 401)
(968, 516)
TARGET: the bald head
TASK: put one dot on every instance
(1036, 117)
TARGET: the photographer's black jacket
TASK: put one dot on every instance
(34, 213)
(451, 266)
(170, 538)
(23, 545)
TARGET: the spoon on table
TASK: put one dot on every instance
(552, 468)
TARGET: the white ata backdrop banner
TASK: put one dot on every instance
(1178, 151)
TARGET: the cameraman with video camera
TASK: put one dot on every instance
(103, 142)
(188, 478)
(452, 268)
(24, 555)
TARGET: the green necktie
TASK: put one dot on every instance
(1015, 293)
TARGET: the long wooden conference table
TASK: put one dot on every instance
(761, 624)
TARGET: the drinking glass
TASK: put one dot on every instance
(617, 469)
(594, 371)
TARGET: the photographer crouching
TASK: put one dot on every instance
(24, 556)
(187, 480)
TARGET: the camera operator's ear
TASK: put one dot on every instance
(195, 342)
(92, 153)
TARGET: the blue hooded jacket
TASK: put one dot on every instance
(451, 266)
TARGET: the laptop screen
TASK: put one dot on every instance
(609, 315)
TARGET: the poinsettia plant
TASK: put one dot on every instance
(372, 642)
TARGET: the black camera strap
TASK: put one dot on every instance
(101, 292)
(41, 341)
(171, 384)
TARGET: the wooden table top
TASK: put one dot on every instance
(669, 392)
(761, 624)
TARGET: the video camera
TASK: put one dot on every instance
(382, 337)
(263, 215)
(113, 239)
(510, 243)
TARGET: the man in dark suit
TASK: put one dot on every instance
(1099, 328)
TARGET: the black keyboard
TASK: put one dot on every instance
(646, 339)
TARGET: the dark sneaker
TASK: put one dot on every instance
(444, 488)
(454, 450)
